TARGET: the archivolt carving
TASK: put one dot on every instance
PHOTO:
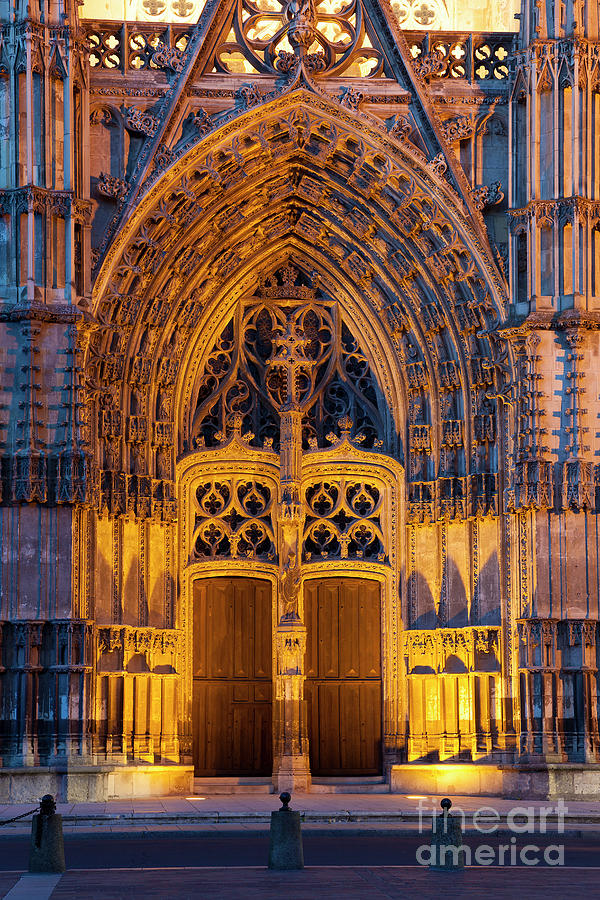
(423, 283)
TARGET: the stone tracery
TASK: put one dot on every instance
(242, 375)
(296, 360)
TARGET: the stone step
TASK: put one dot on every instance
(359, 784)
(320, 785)
(239, 785)
(342, 788)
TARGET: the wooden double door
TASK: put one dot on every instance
(343, 676)
(232, 708)
(232, 677)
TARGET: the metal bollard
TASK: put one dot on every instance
(47, 850)
(285, 839)
(447, 851)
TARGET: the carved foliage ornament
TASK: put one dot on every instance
(110, 186)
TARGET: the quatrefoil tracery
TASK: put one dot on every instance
(234, 519)
(344, 521)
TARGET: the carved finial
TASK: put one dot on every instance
(345, 425)
(302, 19)
(285, 798)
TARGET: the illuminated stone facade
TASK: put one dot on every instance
(293, 294)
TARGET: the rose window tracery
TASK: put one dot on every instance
(244, 375)
(262, 35)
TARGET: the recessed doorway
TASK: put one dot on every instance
(343, 687)
(232, 718)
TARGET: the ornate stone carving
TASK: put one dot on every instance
(458, 129)
(234, 519)
(110, 186)
(168, 57)
(351, 98)
(429, 64)
(140, 121)
(533, 485)
(315, 326)
(489, 195)
(343, 520)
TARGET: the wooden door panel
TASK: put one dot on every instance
(369, 635)
(311, 617)
(328, 624)
(350, 719)
(349, 632)
(343, 688)
(232, 677)
(263, 630)
(243, 626)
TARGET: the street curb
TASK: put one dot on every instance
(341, 817)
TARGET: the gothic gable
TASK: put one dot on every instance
(267, 54)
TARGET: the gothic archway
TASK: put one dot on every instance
(387, 237)
(291, 471)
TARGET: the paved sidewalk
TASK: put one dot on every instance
(317, 809)
(334, 883)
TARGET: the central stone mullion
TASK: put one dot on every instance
(290, 459)
(291, 769)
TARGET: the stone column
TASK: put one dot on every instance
(291, 769)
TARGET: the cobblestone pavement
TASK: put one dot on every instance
(347, 883)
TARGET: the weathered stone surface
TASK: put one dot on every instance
(285, 840)
(47, 851)
(249, 331)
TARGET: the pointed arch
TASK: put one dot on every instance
(382, 226)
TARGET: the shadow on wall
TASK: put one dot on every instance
(485, 607)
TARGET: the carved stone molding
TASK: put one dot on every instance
(34, 476)
(141, 496)
(118, 645)
(439, 650)
(532, 485)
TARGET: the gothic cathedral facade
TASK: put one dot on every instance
(299, 400)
